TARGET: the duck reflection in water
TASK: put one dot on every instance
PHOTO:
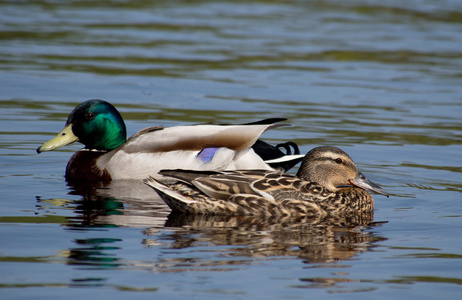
(314, 240)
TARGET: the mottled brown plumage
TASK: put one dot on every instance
(327, 183)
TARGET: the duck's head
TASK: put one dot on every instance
(332, 168)
(95, 123)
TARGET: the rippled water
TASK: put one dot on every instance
(382, 80)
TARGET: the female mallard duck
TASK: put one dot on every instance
(108, 155)
(327, 183)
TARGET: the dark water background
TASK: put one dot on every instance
(380, 79)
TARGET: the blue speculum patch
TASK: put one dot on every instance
(207, 154)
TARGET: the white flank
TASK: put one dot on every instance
(138, 166)
(247, 159)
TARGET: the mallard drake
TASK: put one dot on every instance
(109, 155)
(327, 183)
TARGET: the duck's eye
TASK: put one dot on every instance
(338, 160)
(90, 116)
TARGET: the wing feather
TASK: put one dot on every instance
(196, 137)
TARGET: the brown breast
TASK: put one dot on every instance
(82, 167)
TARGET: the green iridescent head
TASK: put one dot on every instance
(95, 123)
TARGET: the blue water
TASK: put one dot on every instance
(382, 81)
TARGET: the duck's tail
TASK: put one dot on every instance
(277, 159)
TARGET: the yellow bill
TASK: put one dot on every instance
(65, 137)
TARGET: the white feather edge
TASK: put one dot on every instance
(215, 193)
(158, 186)
(284, 158)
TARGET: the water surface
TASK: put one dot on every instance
(380, 80)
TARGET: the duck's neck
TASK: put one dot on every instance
(113, 137)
